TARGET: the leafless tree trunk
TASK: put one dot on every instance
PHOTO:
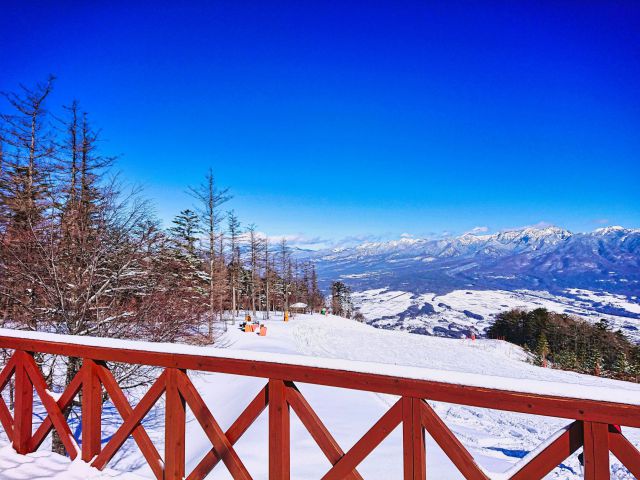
(234, 267)
(210, 198)
(267, 277)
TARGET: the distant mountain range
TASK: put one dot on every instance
(551, 259)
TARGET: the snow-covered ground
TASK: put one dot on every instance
(496, 439)
(459, 312)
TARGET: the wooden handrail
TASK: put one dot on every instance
(593, 416)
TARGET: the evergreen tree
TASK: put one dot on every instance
(593, 362)
(185, 230)
(570, 342)
(542, 350)
(566, 360)
(621, 365)
(341, 303)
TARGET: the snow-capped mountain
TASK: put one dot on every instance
(454, 286)
(548, 258)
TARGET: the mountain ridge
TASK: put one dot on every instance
(550, 258)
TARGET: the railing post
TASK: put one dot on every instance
(175, 424)
(279, 432)
(23, 406)
(415, 463)
(91, 411)
(596, 451)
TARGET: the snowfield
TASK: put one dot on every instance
(496, 439)
(460, 312)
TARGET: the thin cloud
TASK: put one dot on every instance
(477, 230)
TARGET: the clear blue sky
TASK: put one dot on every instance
(334, 120)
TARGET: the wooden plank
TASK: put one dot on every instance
(279, 432)
(547, 405)
(23, 406)
(553, 454)
(91, 411)
(125, 410)
(7, 372)
(132, 423)
(234, 433)
(449, 443)
(63, 402)
(222, 446)
(625, 451)
(596, 451)
(51, 406)
(413, 447)
(370, 440)
(174, 430)
(316, 428)
(6, 420)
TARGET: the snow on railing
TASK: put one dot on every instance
(597, 412)
(516, 385)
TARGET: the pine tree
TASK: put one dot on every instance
(341, 303)
(542, 350)
(185, 230)
(593, 362)
(566, 360)
(621, 365)
(317, 299)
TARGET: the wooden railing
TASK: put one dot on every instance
(595, 425)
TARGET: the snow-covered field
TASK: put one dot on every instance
(496, 439)
(460, 312)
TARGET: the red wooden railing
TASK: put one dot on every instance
(593, 426)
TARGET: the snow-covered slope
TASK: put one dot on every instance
(461, 312)
(452, 286)
(495, 438)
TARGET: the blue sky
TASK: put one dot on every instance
(330, 120)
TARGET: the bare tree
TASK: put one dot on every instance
(285, 274)
(267, 276)
(234, 261)
(255, 252)
(210, 198)
(79, 255)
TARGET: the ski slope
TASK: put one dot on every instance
(496, 439)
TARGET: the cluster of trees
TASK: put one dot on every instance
(78, 254)
(81, 254)
(570, 343)
(239, 269)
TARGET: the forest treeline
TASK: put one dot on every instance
(570, 343)
(82, 255)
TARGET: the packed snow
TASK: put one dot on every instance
(496, 439)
